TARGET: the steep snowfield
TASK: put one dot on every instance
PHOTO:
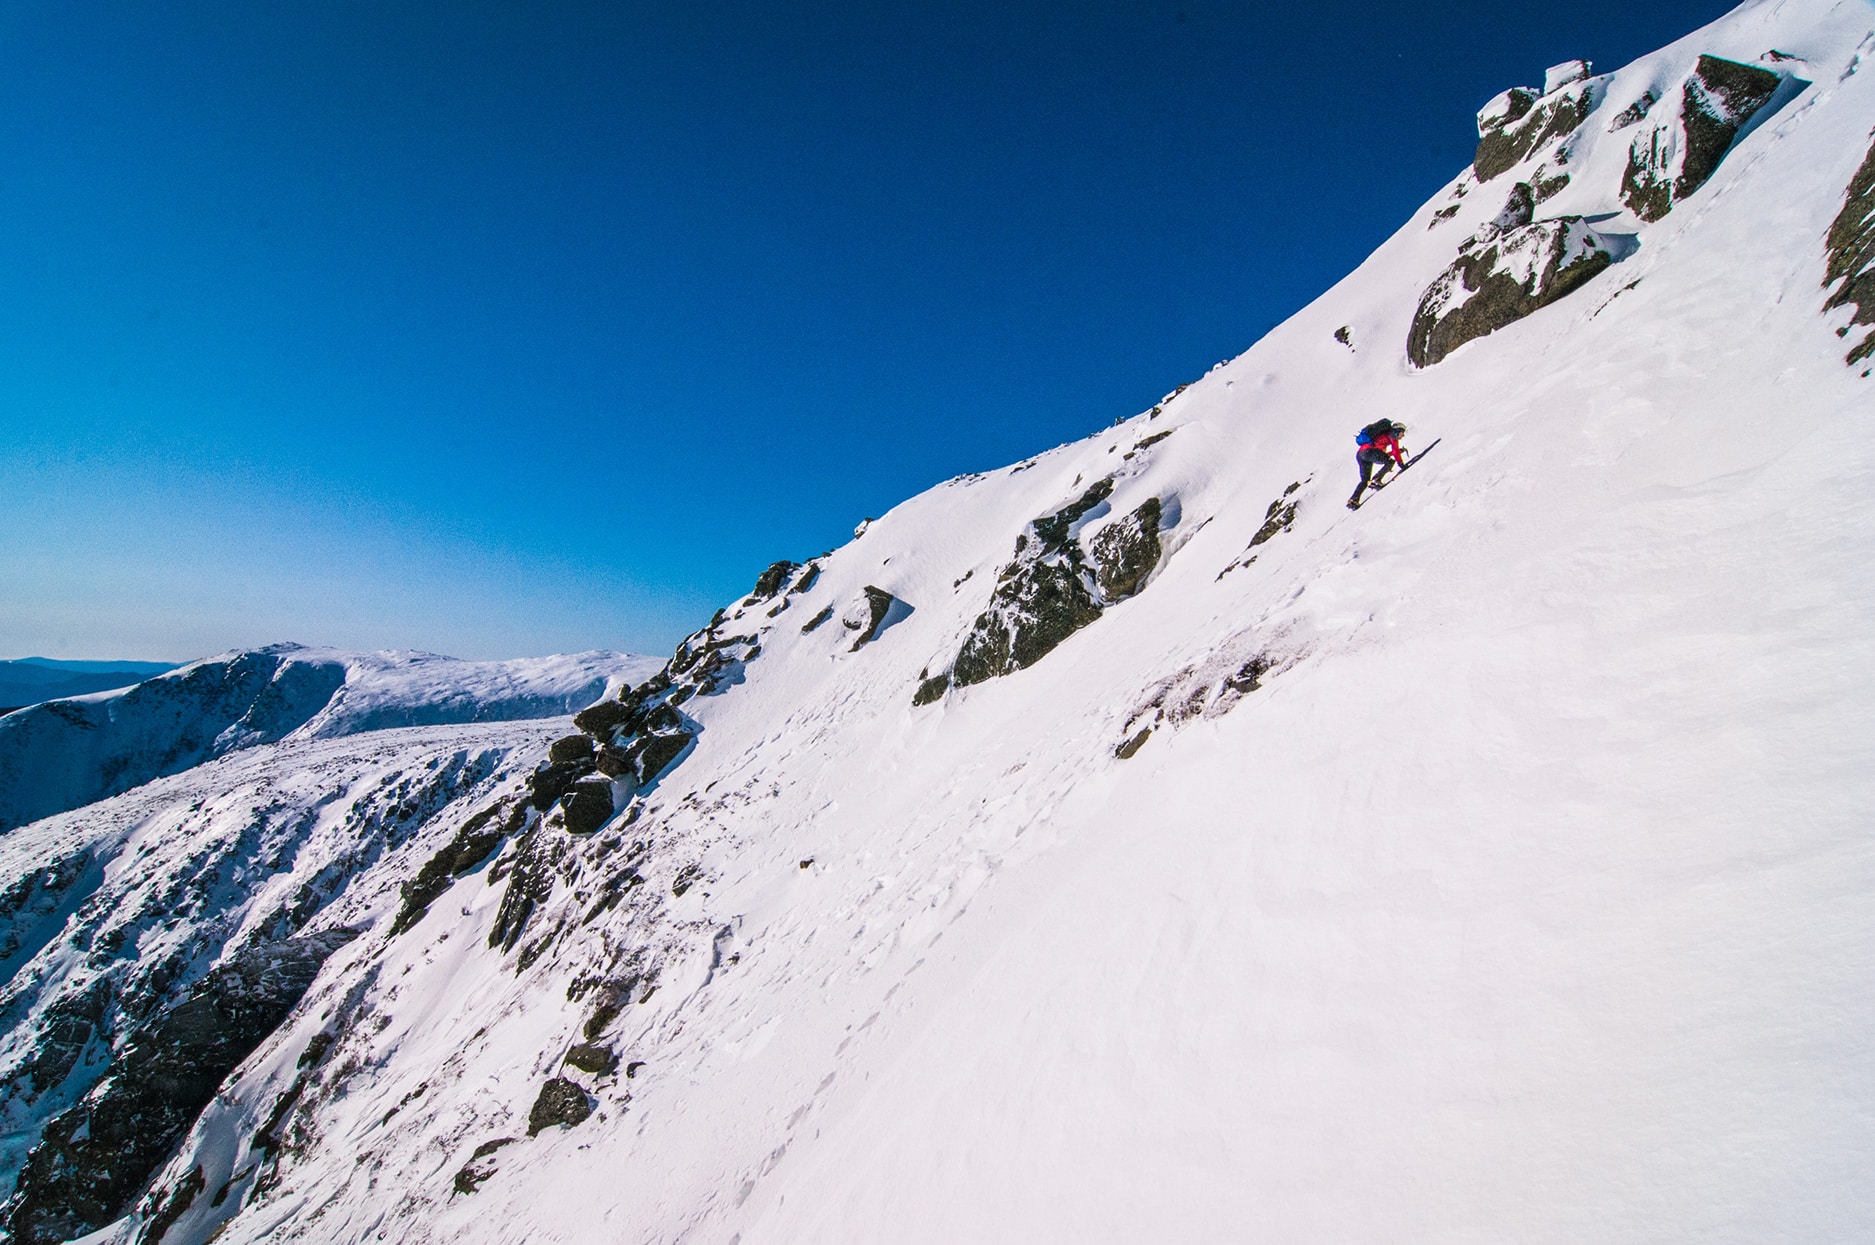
(67, 753)
(1487, 864)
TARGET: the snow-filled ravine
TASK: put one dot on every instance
(1132, 843)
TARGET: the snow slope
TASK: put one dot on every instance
(1487, 864)
(68, 753)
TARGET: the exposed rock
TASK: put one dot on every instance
(601, 719)
(1851, 245)
(1054, 587)
(1502, 280)
(687, 877)
(548, 783)
(1278, 518)
(655, 752)
(1680, 151)
(807, 580)
(1126, 750)
(814, 622)
(587, 805)
(771, 580)
(560, 1102)
(1634, 113)
(530, 882)
(1506, 144)
(1503, 109)
(570, 748)
(480, 1165)
(1040, 599)
(1547, 187)
(877, 610)
(613, 761)
(479, 836)
(92, 1161)
(593, 1058)
(1518, 210)
(172, 1206)
(1127, 550)
(932, 689)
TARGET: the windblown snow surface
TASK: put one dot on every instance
(1489, 864)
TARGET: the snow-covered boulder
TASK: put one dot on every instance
(1673, 158)
(1556, 77)
(1501, 278)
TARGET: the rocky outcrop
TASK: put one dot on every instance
(1518, 123)
(1674, 156)
(588, 804)
(869, 616)
(560, 1103)
(1851, 268)
(592, 1058)
(479, 836)
(92, 1161)
(1054, 587)
(1126, 551)
(1499, 278)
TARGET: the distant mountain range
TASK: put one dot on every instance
(30, 680)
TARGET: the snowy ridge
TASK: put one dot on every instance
(68, 753)
(1490, 863)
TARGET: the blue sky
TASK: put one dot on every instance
(501, 329)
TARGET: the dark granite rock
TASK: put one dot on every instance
(587, 805)
(560, 1102)
(654, 753)
(548, 783)
(613, 761)
(479, 836)
(772, 580)
(1504, 146)
(591, 1057)
(570, 748)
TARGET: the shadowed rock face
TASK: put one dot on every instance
(94, 1159)
(1502, 279)
(588, 805)
(1851, 244)
(1675, 156)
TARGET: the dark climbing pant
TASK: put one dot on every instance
(1367, 459)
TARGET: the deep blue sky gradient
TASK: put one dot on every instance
(511, 328)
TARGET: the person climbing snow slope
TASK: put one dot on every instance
(1379, 447)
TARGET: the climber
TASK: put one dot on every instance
(1380, 447)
